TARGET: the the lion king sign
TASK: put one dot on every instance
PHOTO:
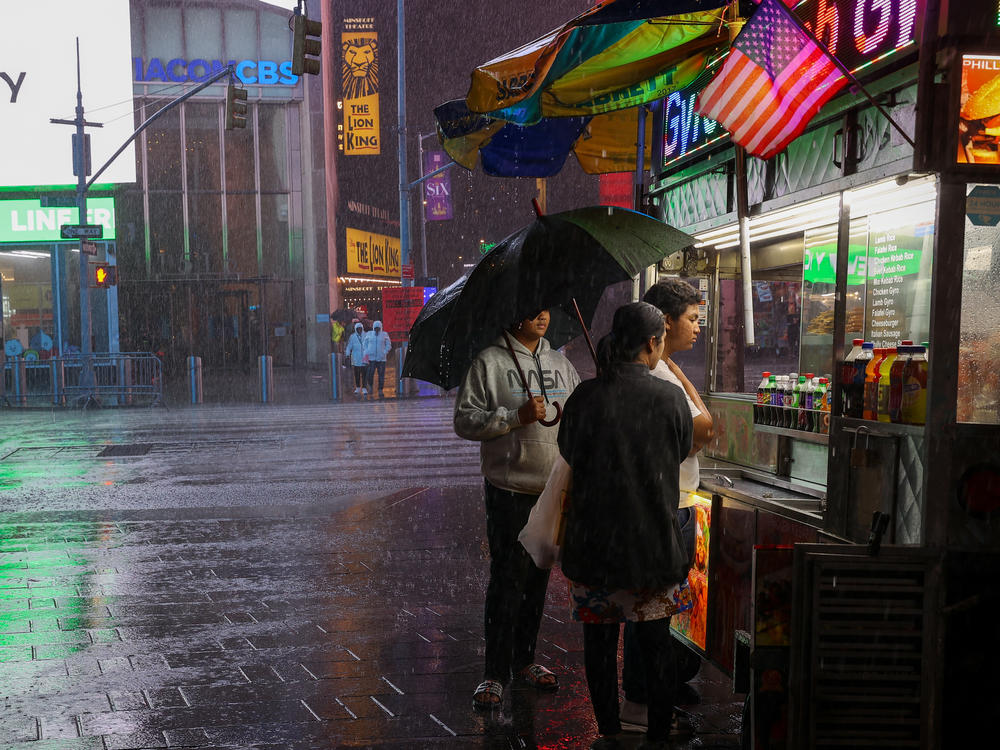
(360, 74)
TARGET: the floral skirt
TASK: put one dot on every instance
(603, 605)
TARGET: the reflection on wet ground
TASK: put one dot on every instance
(354, 623)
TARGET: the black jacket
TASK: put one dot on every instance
(624, 440)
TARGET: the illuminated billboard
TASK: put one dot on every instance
(38, 81)
(372, 254)
(360, 77)
(979, 113)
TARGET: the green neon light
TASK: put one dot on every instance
(25, 221)
(54, 188)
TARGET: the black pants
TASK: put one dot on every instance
(373, 367)
(633, 674)
(359, 376)
(515, 596)
(600, 660)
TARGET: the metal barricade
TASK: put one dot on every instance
(119, 379)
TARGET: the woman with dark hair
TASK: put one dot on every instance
(624, 435)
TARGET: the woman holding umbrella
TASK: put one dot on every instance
(517, 449)
(624, 434)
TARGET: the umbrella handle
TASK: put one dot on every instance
(555, 419)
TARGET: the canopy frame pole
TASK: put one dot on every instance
(743, 215)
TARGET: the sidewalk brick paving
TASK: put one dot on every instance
(325, 623)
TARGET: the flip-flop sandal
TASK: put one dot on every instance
(488, 694)
(535, 674)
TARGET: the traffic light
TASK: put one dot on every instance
(236, 107)
(105, 275)
(306, 45)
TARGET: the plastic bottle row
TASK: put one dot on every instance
(795, 402)
(885, 384)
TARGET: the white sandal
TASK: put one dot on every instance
(492, 692)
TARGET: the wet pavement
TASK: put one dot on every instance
(265, 577)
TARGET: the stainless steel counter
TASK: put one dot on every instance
(765, 491)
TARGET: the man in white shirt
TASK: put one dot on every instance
(678, 301)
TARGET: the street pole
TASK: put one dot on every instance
(80, 167)
(423, 204)
(404, 182)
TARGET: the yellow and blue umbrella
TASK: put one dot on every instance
(582, 67)
(577, 88)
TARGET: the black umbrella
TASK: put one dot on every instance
(573, 255)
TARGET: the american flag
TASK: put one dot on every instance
(772, 84)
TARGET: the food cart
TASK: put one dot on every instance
(848, 575)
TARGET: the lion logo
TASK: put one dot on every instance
(360, 69)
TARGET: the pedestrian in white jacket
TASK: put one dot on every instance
(377, 348)
(356, 351)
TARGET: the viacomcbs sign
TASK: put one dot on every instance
(179, 70)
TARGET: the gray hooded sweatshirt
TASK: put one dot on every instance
(515, 457)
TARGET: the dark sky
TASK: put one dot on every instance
(445, 40)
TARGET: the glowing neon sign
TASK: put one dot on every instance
(860, 33)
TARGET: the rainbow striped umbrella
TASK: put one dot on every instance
(577, 88)
(588, 64)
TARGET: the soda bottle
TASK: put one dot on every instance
(805, 402)
(846, 378)
(903, 354)
(870, 388)
(882, 385)
(821, 400)
(914, 407)
(791, 402)
(770, 413)
(857, 386)
(762, 396)
(779, 414)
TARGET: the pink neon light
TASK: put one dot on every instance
(862, 41)
(827, 28)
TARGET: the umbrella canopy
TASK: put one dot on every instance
(601, 144)
(546, 265)
(577, 89)
(589, 59)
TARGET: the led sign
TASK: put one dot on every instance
(179, 70)
(23, 221)
(38, 82)
(979, 113)
(860, 33)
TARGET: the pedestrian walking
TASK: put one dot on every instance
(624, 435)
(377, 348)
(678, 301)
(517, 452)
(356, 352)
(336, 336)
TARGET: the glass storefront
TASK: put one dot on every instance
(888, 286)
(979, 331)
(214, 235)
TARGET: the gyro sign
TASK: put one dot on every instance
(859, 32)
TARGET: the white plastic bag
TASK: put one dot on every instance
(542, 534)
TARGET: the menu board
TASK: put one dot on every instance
(900, 249)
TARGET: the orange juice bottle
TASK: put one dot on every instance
(871, 385)
(882, 400)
